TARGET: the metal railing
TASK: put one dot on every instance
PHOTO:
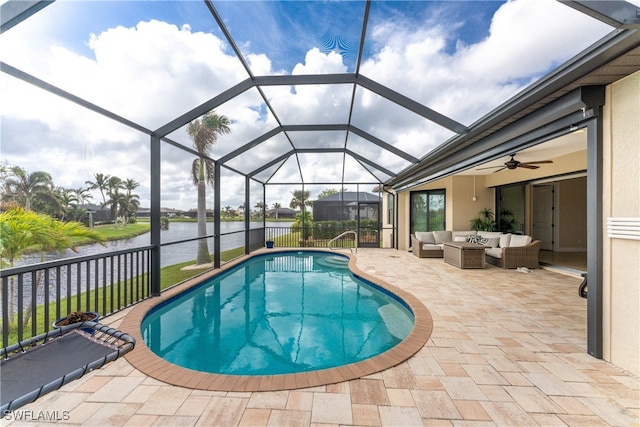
(34, 296)
(312, 237)
(340, 236)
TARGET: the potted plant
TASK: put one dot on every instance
(77, 317)
(270, 241)
(484, 221)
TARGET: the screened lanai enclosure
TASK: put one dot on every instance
(266, 104)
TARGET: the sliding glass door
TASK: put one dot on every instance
(427, 210)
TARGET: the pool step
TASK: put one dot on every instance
(335, 261)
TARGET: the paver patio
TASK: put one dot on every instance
(507, 348)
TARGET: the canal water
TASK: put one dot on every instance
(173, 254)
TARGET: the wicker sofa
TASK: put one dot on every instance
(519, 251)
(504, 250)
(430, 244)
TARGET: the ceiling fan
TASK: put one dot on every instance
(513, 164)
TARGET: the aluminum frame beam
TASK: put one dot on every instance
(14, 12)
(618, 14)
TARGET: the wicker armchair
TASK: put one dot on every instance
(519, 256)
(416, 248)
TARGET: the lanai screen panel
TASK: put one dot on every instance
(465, 58)
(42, 132)
(145, 60)
(383, 157)
(261, 154)
(311, 104)
(295, 37)
(318, 139)
(396, 125)
(248, 119)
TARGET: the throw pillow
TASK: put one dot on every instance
(460, 239)
(479, 240)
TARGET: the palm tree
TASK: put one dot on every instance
(300, 200)
(114, 185)
(67, 200)
(82, 195)
(303, 220)
(24, 187)
(131, 202)
(204, 132)
(101, 183)
(261, 208)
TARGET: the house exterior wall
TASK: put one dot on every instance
(621, 198)
(460, 207)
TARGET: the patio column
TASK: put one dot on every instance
(155, 196)
(247, 215)
(594, 233)
(216, 217)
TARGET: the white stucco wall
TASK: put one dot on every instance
(621, 195)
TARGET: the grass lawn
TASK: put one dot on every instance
(114, 295)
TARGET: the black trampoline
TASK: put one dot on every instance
(45, 363)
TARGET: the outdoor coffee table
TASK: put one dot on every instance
(464, 255)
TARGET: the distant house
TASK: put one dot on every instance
(346, 205)
(97, 213)
(170, 212)
(193, 213)
(282, 213)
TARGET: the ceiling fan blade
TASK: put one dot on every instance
(502, 168)
(527, 166)
(537, 163)
(489, 167)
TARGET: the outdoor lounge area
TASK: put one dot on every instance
(486, 363)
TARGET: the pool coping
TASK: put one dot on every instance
(147, 362)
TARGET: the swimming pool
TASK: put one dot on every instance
(148, 363)
(280, 313)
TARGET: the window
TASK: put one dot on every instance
(510, 208)
(427, 210)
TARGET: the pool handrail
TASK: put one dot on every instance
(341, 235)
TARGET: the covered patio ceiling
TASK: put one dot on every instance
(316, 92)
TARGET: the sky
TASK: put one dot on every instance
(151, 61)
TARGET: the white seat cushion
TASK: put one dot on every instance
(430, 247)
(494, 252)
(425, 236)
(519, 240)
(459, 238)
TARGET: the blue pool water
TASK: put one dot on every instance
(276, 314)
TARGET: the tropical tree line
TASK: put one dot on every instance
(37, 192)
